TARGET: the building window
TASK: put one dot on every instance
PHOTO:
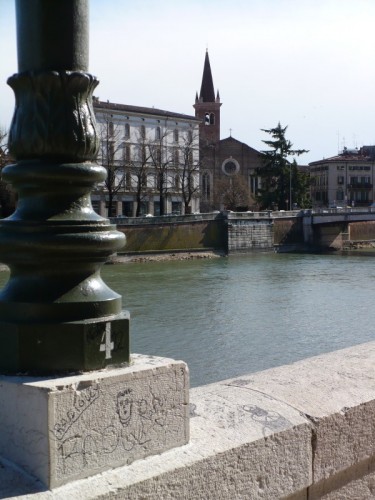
(206, 186)
(177, 181)
(111, 129)
(151, 180)
(191, 159)
(175, 135)
(176, 158)
(157, 134)
(143, 155)
(111, 150)
(127, 208)
(127, 130)
(127, 155)
(340, 179)
(230, 166)
(143, 208)
(143, 132)
(156, 207)
(144, 179)
(254, 184)
(340, 195)
(158, 156)
(176, 207)
(128, 181)
(190, 136)
(209, 118)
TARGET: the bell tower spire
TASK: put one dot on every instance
(207, 93)
(207, 107)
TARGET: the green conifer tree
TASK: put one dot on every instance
(281, 181)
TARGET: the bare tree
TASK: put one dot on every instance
(111, 156)
(138, 169)
(3, 147)
(233, 192)
(188, 168)
(161, 155)
(7, 195)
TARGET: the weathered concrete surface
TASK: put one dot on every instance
(233, 453)
(305, 430)
(336, 392)
(68, 428)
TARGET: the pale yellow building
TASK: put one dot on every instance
(344, 180)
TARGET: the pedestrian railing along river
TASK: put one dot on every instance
(266, 214)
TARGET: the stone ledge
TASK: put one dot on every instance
(296, 431)
(71, 427)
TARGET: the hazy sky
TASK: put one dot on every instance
(309, 64)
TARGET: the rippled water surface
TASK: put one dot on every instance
(230, 316)
(235, 315)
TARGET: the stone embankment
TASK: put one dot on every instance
(161, 257)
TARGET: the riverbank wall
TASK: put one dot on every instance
(224, 232)
(174, 233)
(295, 432)
(242, 232)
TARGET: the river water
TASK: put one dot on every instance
(230, 316)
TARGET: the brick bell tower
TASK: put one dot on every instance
(207, 108)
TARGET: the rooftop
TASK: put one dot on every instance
(141, 110)
(365, 153)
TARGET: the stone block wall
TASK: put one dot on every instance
(246, 235)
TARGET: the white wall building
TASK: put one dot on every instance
(152, 160)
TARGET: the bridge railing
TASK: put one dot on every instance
(266, 214)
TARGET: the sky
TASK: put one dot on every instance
(308, 64)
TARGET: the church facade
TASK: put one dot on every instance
(228, 176)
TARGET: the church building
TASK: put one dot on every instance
(228, 166)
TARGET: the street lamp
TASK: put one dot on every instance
(290, 186)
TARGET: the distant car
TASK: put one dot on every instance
(337, 207)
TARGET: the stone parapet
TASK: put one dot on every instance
(67, 428)
(305, 430)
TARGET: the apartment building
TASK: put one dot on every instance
(152, 161)
(345, 179)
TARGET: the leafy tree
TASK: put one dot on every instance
(233, 192)
(281, 181)
(300, 184)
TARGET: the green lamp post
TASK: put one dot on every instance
(56, 313)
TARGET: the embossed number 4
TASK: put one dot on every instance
(107, 346)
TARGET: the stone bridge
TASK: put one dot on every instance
(236, 232)
(287, 230)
